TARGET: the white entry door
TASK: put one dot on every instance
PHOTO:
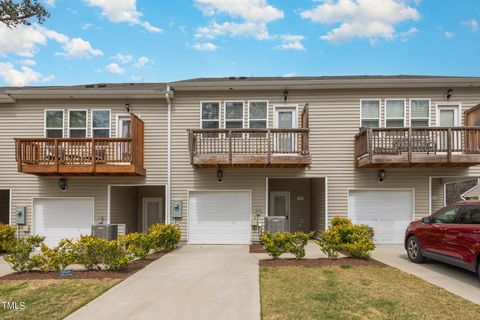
(58, 218)
(279, 204)
(123, 126)
(388, 212)
(152, 212)
(447, 116)
(285, 118)
(219, 217)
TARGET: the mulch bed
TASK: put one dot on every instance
(133, 267)
(321, 262)
(256, 248)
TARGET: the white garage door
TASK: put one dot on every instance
(62, 218)
(388, 212)
(219, 217)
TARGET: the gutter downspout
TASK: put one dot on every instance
(169, 156)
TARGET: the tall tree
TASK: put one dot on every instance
(14, 13)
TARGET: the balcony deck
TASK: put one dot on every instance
(418, 147)
(249, 148)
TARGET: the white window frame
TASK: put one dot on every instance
(102, 128)
(404, 111)
(225, 112)
(452, 104)
(219, 113)
(267, 114)
(45, 122)
(379, 112)
(420, 118)
(86, 122)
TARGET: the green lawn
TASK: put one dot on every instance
(356, 293)
(49, 299)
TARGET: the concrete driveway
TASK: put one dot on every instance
(4, 267)
(194, 282)
(458, 281)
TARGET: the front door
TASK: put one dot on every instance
(447, 117)
(152, 212)
(285, 118)
(280, 204)
(123, 127)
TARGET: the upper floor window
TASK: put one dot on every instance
(419, 112)
(54, 123)
(257, 114)
(233, 114)
(395, 113)
(210, 114)
(370, 113)
(101, 124)
(77, 123)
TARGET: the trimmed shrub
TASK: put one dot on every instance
(58, 258)
(275, 244)
(330, 243)
(7, 236)
(297, 242)
(138, 245)
(115, 256)
(90, 251)
(164, 237)
(20, 255)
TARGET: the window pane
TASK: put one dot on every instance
(255, 124)
(447, 118)
(394, 123)
(470, 215)
(419, 123)
(101, 119)
(78, 119)
(54, 119)
(54, 133)
(395, 108)
(210, 110)
(101, 133)
(234, 110)
(370, 109)
(370, 124)
(258, 110)
(419, 108)
(449, 215)
(210, 124)
(234, 124)
(78, 133)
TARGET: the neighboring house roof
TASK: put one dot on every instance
(473, 192)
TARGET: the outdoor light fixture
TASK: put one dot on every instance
(449, 93)
(382, 174)
(219, 176)
(62, 184)
(285, 96)
(128, 107)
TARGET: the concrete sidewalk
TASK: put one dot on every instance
(4, 267)
(194, 282)
(458, 281)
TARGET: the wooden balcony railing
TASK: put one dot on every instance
(432, 146)
(84, 156)
(249, 147)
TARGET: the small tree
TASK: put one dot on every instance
(14, 13)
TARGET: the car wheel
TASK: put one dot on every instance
(414, 251)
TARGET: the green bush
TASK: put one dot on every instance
(275, 244)
(343, 235)
(138, 245)
(90, 251)
(164, 237)
(20, 255)
(7, 236)
(115, 256)
(297, 242)
(58, 258)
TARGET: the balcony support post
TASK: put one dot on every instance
(230, 151)
(449, 145)
(410, 145)
(369, 144)
(55, 155)
(269, 151)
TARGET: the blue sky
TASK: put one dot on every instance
(90, 41)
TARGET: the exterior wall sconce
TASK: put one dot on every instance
(449, 93)
(62, 184)
(219, 176)
(128, 107)
(382, 174)
(285, 96)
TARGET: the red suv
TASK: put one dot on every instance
(450, 235)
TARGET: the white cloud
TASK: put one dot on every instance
(50, 2)
(370, 19)
(448, 34)
(291, 42)
(78, 48)
(404, 36)
(87, 26)
(22, 77)
(114, 68)
(254, 16)
(472, 24)
(207, 46)
(123, 58)
(289, 75)
(27, 62)
(118, 11)
(142, 62)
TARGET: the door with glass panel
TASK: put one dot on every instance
(279, 205)
(447, 117)
(285, 118)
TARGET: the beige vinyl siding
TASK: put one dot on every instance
(123, 209)
(26, 119)
(318, 205)
(334, 121)
(4, 206)
(438, 194)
